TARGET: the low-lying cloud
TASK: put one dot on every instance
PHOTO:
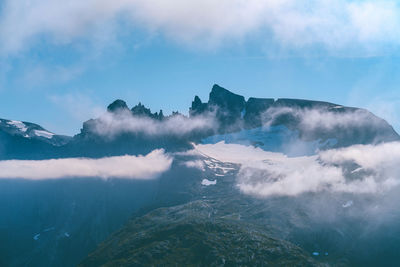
(359, 169)
(130, 167)
(311, 119)
(112, 124)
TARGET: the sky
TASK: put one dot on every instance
(63, 62)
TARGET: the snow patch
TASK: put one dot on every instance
(44, 134)
(336, 107)
(207, 182)
(348, 204)
(19, 124)
(274, 139)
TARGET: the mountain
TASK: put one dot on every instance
(263, 122)
(186, 236)
(215, 224)
(312, 119)
(27, 140)
(196, 212)
(204, 228)
(266, 123)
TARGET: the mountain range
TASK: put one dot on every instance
(225, 113)
(211, 207)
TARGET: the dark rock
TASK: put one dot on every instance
(198, 107)
(228, 107)
(301, 103)
(161, 115)
(224, 99)
(141, 110)
(117, 105)
(255, 107)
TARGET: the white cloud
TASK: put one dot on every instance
(197, 164)
(111, 124)
(311, 119)
(265, 173)
(130, 167)
(365, 27)
(383, 158)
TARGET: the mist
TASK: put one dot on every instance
(359, 169)
(311, 119)
(130, 167)
(112, 124)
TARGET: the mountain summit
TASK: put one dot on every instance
(240, 182)
(264, 122)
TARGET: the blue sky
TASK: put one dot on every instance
(63, 63)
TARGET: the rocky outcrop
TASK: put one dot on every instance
(117, 106)
(255, 107)
(312, 119)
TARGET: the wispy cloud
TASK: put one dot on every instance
(358, 27)
(129, 167)
(311, 119)
(79, 106)
(360, 169)
(197, 164)
(111, 124)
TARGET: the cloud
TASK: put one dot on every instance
(78, 105)
(386, 104)
(40, 74)
(112, 124)
(359, 169)
(357, 27)
(197, 164)
(311, 119)
(383, 158)
(130, 167)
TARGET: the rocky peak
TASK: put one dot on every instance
(233, 113)
(117, 105)
(225, 99)
(141, 110)
(161, 115)
(198, 107)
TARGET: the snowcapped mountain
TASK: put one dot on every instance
(273, 125)
(262, 122)
(25, 140)
(32, 131)
(305, 180)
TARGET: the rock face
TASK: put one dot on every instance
(255, 107)
(228, 106)
(117, 105)
(312, 119)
